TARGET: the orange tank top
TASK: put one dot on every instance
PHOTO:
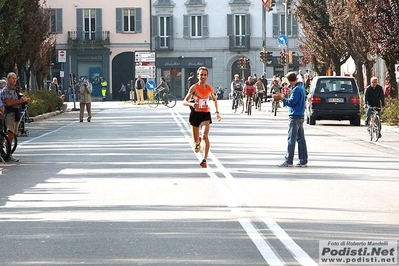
(202, 98)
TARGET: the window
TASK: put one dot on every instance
(164, 31)
(195, 26)
(279, 25)
(164, 2)
(89, 24)
(239, 30)
(193, 2)
(128, 20)
(55, 21)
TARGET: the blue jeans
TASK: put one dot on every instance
(296, 134)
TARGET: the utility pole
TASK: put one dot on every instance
(286, 34)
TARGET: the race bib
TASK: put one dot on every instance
(203, 103)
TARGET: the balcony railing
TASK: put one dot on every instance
(239, 42)
(89, 39)
(164, 43)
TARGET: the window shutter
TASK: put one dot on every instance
(118, 20)
(230, 25)
(275, 25)
(248, 24)
(186, 31)
(99, 24)
(138, 20)
(79, 23)
(205, 33)
(294, 27)
(155, 29)
(59, 20)
(171, 26)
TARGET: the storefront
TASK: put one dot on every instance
(176, 70)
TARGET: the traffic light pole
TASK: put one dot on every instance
(264, 36)
(286, 33)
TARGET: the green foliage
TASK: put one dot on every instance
(391, 113)
(43, 101)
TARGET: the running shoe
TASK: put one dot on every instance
(285, 164)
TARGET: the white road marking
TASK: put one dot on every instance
(264, 248)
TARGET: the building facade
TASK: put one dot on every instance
(100, 39)
(187, 34)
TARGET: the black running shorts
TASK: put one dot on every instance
(196, 118)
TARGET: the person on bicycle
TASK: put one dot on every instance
(200, 115)
(373, 97)
(249, 91)
(275, 88)
(236, 89)
(162, 88)
(260, 91)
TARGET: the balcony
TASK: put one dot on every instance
(239, 43)
(164, 43)
(88, 39)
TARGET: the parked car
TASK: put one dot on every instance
(333, 98)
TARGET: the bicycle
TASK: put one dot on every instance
(238, 103)
(22, 122)
(5, 144)
(250, 103)
(168, 99)
(275, 106)
(259, 101)
(374, 126)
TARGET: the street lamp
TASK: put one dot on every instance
(286, 6)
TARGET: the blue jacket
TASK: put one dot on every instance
(296, 103)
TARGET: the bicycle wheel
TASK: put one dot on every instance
(249, 107)
(153, 103)
(14, 144)
(377, 128)
(241, 106)
(170, 99)
(275, 107)
(5, 146)
(235, 105)
(259, 104)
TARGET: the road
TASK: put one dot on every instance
(127, 189)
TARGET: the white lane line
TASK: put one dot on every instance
(256, 237)
(299, 254)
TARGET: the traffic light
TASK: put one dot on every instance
(272, 3)
(262, 56)
(245, 63)
(283, 57)
(287, 4)
(291, 57)
(239, 63)
(269, 56)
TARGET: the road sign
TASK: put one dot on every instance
(145, 64)
(61, 56)
(150, 85)
(282, 39)
(264, 2)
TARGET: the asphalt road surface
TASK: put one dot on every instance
(127, 189)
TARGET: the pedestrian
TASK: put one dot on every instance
(54, 87)
(122, 92)
(162, 88)
(12, 108)
(139, 86)
(85, 100)
(300, 77)
(191, 81)
(373, 97)
(104, 85)
(200, 115)
(296, 113)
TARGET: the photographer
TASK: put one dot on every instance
(85, 100)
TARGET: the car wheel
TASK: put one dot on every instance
(356, 121)
(312, 121)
